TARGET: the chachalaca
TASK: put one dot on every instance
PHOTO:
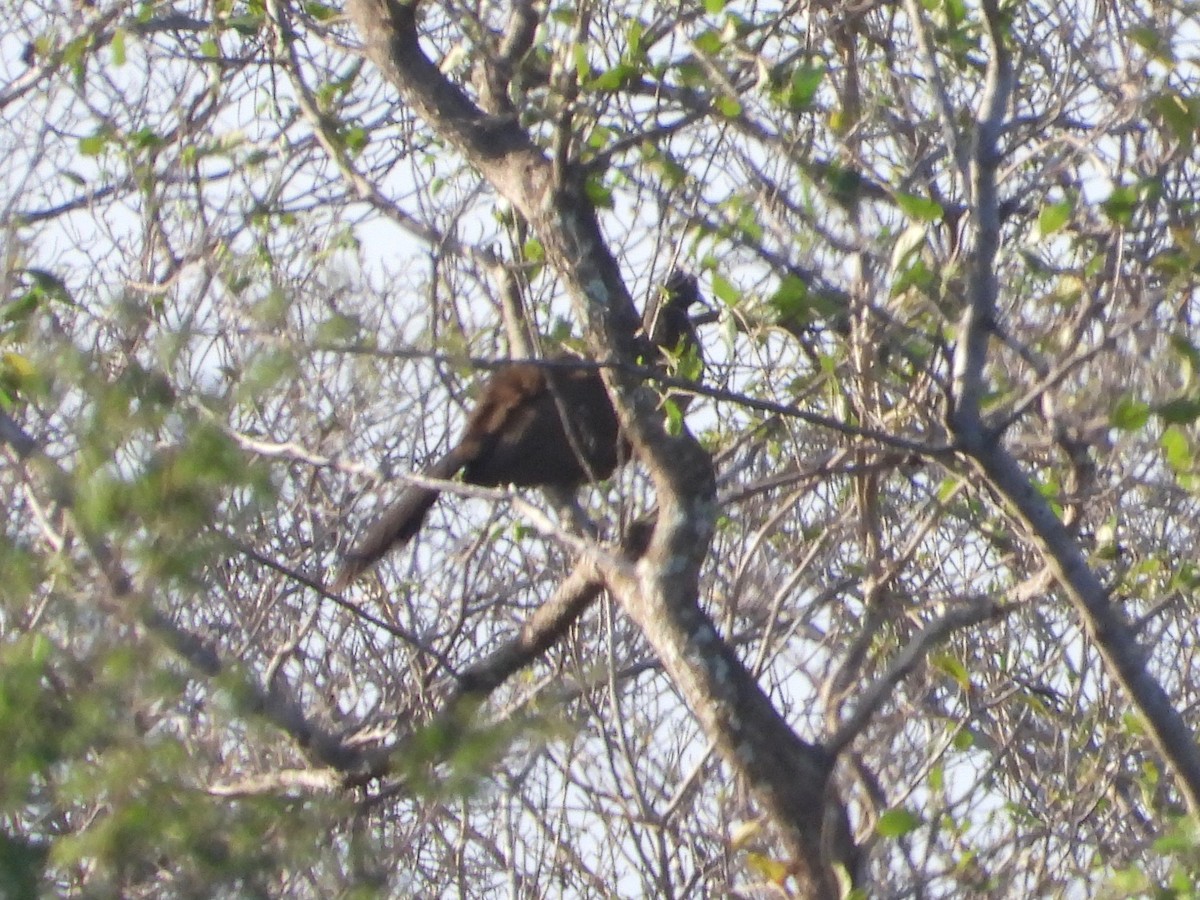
(516, 435)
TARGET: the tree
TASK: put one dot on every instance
(904, 600)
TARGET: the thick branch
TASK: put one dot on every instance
(970, 356)
(547, 625)
(789, 776)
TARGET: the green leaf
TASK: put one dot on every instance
(674, 423)
(616, 78)
(599, 137)
(1150, 40)
(21, 863)
(1188, 355)
(790, 299)
(1121, 204)
(689, 365)
(633, 37)
(947, 487)
(1134, 724)
(145, 139)
(1181, 837)
(1180, 411)
(724, 290)
(1129, 882)
(806, 79)
(118, 47)
(1176, 449)
(1129, 414)
(1048, 486)
(729, 107)
(897, 822)
(22, 308)
(956, 11)
(246, 25)
(320, 11)
(1053, 217)
(354, 139)
(598, 192)
(964, 739)
(94, 144)
(533, 251)
(75, 55)
(953, 667)
(1179, 114)
(937, 777)
(709, 42)
(922, 209)
(1145, 37)
(713, 7)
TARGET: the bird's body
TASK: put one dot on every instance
(526, 408)
(548, 425)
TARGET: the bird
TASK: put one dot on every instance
(541, 425)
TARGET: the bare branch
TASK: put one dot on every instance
(869, 700)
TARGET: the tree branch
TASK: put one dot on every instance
(1123, 657)
(870, 700)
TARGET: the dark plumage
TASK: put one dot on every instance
(515, 434)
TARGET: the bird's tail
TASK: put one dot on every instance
(398, 525)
